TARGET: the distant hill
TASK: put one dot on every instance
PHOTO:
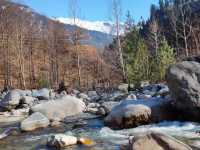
(96, 38)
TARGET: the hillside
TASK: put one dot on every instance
(38, 51)
(96, 38)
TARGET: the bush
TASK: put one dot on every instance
(43, 83)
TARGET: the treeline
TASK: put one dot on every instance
(170, 34)
(38, 52)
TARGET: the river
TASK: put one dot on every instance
(104, 137)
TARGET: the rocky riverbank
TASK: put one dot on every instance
(38, 110)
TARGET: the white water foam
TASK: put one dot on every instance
(173, 128)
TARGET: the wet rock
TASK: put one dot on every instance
(93, 105)
(151, 92)
(11, 100)
(184, 83)
(108, 106)
(9, 131)
(35, 121)
(6, 118)
(157, 141)
(55, 123)
(75, 92)
(144, 96)
(123, 87)
(20, 112)
(144, 84)
(60, 108)
(131, 97)
(42, 94)
(117, 96)
(93, 95)
(61, 141)
(79, 117)
(83, 96)
(101, 111)
(164, 90)
(25, 92)
(92, 110)
(130, 114)
(30, 101)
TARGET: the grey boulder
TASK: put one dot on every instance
(184, 83)
(157, 141)
(60, 108)
(11, 100)
(35, 121)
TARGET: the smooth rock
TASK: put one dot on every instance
(131, 97)
(92, 110)
(24, 92)
(28, 100)
(123, 87)
(129, 114)
(184, 83)
(93, 105)
(117, 96)
(61, 140)
(60, 108)
(35, 121)
(157, 141)
(108, 106)
(144, 96)
(42, 94)
(93, 95)
(11, 100)
(83, 96)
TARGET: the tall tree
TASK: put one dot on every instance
(77, 34)
(116, 16)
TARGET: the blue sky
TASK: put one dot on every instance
(92, 10)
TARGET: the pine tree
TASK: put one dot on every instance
(164, 58)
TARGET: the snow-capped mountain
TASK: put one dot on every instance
(100, 26)
(105, 27)
(96, 37)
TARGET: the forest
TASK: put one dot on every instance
(41, 52)
(171, 34)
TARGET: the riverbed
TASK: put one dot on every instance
(104, 138)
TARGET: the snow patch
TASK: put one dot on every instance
(101, 26)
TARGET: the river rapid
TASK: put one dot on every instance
(103, 137)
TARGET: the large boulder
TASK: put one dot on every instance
(11, 100)
(184, 82)
(157, 141)
(130, 114)
(35, 121)
(60, 108)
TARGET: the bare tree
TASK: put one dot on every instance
(19, 46)
(184, 22)
(154, 34)
(77, 34)
(116, 16)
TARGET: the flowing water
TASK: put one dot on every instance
(104, 137)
